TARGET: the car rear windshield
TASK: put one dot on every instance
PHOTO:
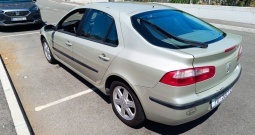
(172, 28)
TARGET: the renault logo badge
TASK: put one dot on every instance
(17, 13)
(228, 66)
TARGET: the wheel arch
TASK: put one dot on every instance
(113, 78)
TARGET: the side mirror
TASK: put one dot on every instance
(34, 0)
(50, 28)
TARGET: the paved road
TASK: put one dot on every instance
(57, 101)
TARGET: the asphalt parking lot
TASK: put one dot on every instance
(57, 101)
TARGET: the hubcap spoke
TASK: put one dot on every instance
(130, 104)
(129, 112)
(119, 93)
(125, 94)
(118, 101)
(123, 108)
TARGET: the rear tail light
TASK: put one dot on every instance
(189, 76)
(239, 53)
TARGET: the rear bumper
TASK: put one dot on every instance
(198, 102)
(164, 106)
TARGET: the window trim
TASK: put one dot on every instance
(99, 41)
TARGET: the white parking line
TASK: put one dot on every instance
(19, 35)
(39, 108)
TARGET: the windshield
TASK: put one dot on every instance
(178, 24)
(11, 1)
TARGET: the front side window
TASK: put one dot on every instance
(100, 26)
(71, 22)
(166, 27)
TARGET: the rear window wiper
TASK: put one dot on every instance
(193, 43)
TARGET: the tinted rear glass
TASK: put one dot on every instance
(178, 24)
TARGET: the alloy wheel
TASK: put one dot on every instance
(124, 103)
(46, 50)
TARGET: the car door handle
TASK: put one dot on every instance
(103, 57)
(68, 43)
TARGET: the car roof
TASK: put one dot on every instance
(128, 7)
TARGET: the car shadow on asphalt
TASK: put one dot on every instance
(150, 125)
(85, 82)
(21, 28)
(176, 130)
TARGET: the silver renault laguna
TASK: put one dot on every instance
(155, 62)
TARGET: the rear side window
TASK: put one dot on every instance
(100, 26)
(176, 23)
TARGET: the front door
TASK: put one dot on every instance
(64, 35)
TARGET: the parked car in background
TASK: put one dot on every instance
(19, 12)
(155, 62)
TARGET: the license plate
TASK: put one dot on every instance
(19, 19)
(215, 102)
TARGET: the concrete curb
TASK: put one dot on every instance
(21, 123)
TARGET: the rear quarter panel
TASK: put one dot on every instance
(144, 64)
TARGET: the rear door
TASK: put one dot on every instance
(64, 35)
(98, 44)
(223, 55)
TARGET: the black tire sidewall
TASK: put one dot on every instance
(139, 118)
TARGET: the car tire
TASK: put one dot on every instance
(126, 105)
(47, 52)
